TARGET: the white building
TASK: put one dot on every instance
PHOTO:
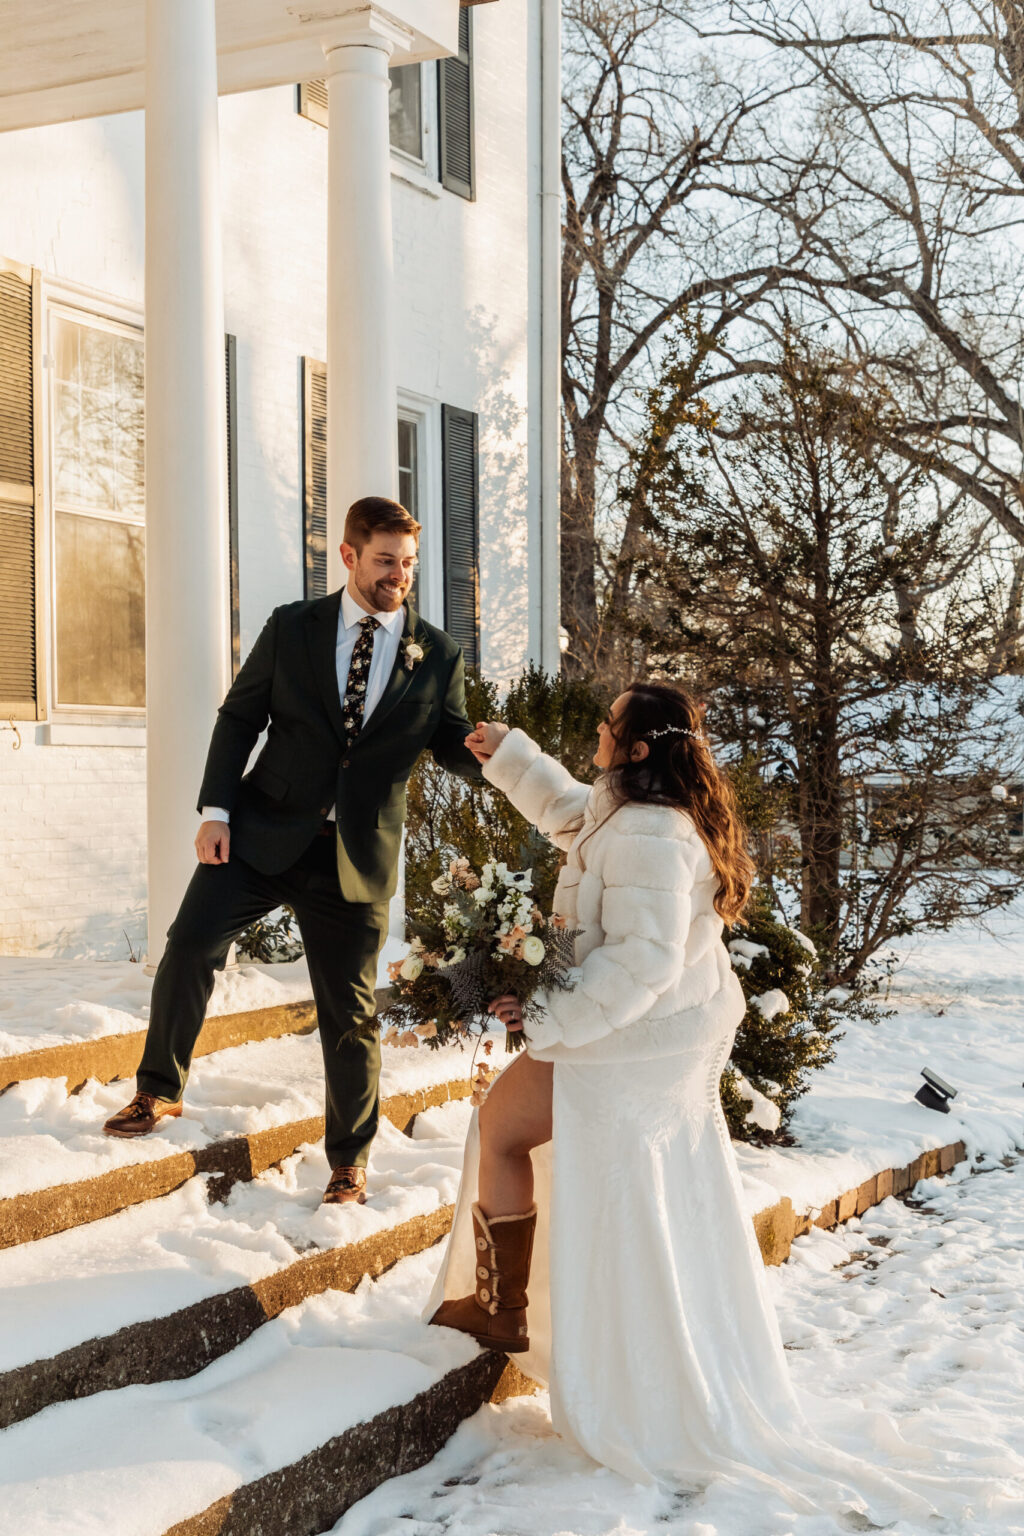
(426, 274)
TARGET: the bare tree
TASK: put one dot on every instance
(902, 171)
(842, 623)
(651, 129)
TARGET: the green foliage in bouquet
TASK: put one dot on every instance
(481, 936)
(790, 1028)
(460, 836)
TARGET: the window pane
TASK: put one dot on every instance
(408, 471)
(98, 419)
(406, 110)
(101, 612)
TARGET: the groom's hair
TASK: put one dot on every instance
(377, 514)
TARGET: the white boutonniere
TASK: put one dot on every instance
(413, 654)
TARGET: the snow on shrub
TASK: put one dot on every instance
(790, 1027)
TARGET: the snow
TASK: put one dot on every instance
(167, 1451)
(770, 1004)
(165, 1254)
(742, 952)
(46, 1002)
(762, 1111)
(924, 1321)
(48, 1137)
(958, 1002)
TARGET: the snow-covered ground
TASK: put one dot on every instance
(916, 1315)
(959, 1001)
(922, 1320)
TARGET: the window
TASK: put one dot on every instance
(314, 512)
(408, 465)
(97, 460)
(405, 107)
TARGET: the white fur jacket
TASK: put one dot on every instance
(642, 894)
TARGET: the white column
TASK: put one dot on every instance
(187, 621)
(362, 452)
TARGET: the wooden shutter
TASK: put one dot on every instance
(313, 101)
(460, 494)
(19, 599)
(455, 113)
(314, 497)
(230, 366)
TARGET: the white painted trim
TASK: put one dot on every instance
(550, 403)
(414, 174)
(427, 415)
(60, 733)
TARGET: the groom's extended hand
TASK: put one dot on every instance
(213, 842)
(486, 739)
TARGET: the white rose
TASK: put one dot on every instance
(533, 950)
(442, 885)
(411, 967)
(482, 894)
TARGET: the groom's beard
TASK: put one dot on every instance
(382, 596)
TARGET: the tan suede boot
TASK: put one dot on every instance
(496, 1313)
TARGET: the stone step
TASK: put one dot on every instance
(185, 1342)
(246, 1107)
(42, 1212)
(281, 1435)
(159, 1291)
(108, 1057)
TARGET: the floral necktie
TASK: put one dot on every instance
(358, 677)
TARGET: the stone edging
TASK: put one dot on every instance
(41, 1213)
(779, 1224)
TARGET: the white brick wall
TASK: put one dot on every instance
(72, 819)
(73, 847)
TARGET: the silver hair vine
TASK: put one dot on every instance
(678, 730)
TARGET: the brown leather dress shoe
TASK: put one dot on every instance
(347, 1186)
(142, 1115)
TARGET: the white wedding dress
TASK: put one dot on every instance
(649, 1316)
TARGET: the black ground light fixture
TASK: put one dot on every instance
(934, 1093)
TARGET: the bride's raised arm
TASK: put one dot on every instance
(538, 786)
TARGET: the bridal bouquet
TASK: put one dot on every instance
(480, 936)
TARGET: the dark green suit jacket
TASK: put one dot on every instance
(289, 681)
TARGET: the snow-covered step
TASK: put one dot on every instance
(159, 1291)
(245, 1109)
(278, 1438)
(82, 1019)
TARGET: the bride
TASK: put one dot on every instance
(601, 1156)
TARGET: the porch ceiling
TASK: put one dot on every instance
(64, 59)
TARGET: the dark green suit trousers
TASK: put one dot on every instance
(343, 940)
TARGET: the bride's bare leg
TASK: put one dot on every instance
(514, 1118)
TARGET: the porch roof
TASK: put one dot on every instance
(65, 59)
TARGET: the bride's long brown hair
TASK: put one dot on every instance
(679, 770)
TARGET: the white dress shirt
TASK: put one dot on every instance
(386, 640)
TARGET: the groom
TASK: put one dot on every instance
(352, 687)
